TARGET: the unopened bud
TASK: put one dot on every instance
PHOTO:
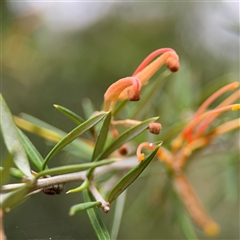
(123, 150)
(155, 128)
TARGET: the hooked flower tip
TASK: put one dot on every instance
(130, 84)
(173, 63)
(140, 147)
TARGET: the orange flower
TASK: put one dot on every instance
(129, 87)
(197, 127)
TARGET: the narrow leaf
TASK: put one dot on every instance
(119, 209)
(102, 136)
(12, 139)
(73, 116)
(12, 199)
(42, 124)
(83, 206)
(73, 135)
(38, 130)
(126, 136)
(131, 176)
(48, 132)
(15, 172)
(88, 107)
(7, 163)
(83, 186)
(34, 156)
(95, 219)
(73, 168)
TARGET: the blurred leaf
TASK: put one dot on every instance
(12, 139)
(231, 174)
(73, 116)
(126, 136)
(12, 199)
(79, 147)
(88, 107)
(40, 131)
(119, 107)
(131, 176)
(76, 132)
(119, 209)
(83, 206)
(42, 124)
(34, 156)
(7, 163)
(74, 168)
(182, 218)
(102, 136)
(95, 219)
(15, 172)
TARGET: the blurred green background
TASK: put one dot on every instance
(62, 53)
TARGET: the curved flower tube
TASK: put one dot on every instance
(186, 134)
(205, 123)
(144, 72)
(150, 57)
(113, 92)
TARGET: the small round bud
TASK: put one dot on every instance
(123, 150)
(155, 128)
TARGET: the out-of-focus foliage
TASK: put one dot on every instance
(42, 66)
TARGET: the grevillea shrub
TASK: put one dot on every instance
(113, 144)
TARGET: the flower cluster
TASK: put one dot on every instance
(130, 87)
(196, 134)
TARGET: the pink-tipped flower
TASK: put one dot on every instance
(147, 145)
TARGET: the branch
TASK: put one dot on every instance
(126, 163)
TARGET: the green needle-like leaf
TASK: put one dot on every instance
(31, 124)
(12, 199)
(102, 136)
(74, 168)
(88, 107)
(83, 206)
(95, 219)
(32, 153)
(76, 132)
(126, 136)
(131, 176)
(73, 116)
(6, 164)
(12, 139)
